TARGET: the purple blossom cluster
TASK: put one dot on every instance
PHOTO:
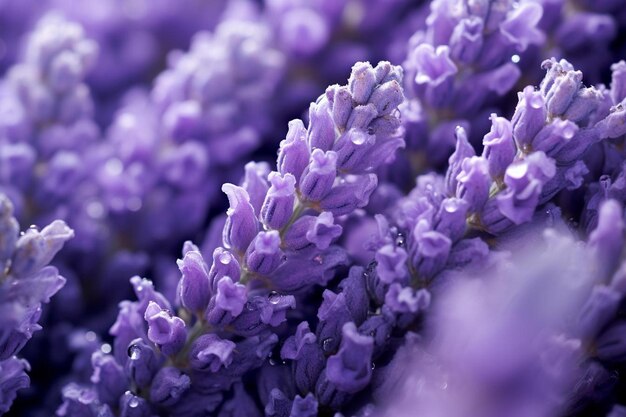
(26, 283)
(442, 235)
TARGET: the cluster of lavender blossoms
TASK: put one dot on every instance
(204, 113)
(278, 243)
(26, 282)
(46, 127)
(465, 58)
(426, 243)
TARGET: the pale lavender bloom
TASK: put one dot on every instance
(458, 65)
(47, 127)
(500, 333)
(541, 153)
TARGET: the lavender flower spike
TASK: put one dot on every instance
(26, 282)
(457, 66)
(538, 153)
(324, 171)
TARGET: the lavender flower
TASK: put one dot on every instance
(334, 284)
(163, 361)
(201, 116)
(26, 282)
(431, 242)
(47, 136)
(48, 119)
(465, 57)
(556, 353)
(430, 237)
(323, 172)
(552, 129)
(228, 314)
(512, 362)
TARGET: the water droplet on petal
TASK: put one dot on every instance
(274, 297)
(327, 344)
(225, 258)
(33, 227)
(400, 240)
(133, 402)
(358, 138)
(134, 352)
(106, 348)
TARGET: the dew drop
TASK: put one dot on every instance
(90, 336)
(369, 270)
(515, 59)
(133, 402)
(106, 348)
(134, 352)
(274, 297)
(225, 258)
(327, 344)
(358, 138)
(33, 227)
(569, 132)
(400, 241)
